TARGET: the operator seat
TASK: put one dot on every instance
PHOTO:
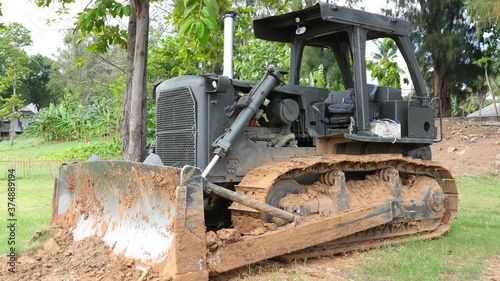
(348, 105)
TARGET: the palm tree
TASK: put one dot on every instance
(384, 68)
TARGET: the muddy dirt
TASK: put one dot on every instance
(469, 149)
(62, 259)
(465, 149)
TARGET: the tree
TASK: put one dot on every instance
(9, 111)
(1, 15)
(34, 88)
(445, 46)
(485, 14)
(12, 40)
(87, 76)
(253, 56)
(99, 21)
(385, 68)
(484, 62)
(195, 19)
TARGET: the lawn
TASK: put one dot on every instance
(33, 201)
(33, 195)
(33, 148)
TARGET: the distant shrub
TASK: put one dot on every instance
(107, 150)
(68, 121)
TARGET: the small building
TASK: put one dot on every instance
(486, 111)
(19, 123)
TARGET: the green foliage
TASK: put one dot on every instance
(9, 107)
(13, 37)
(68, 121)
(317, 78)
(385, 68)
(485, 13)
(13, 59)
(105, 150)
(445, 46)
(254, 56)
(198, 18)
(165, 60)
(200, 41)
(96, 21)
(34, 89)
(86, 76)
(319, 67)
(19, 73)
(461, 107)
(199, 35)
(151, 130)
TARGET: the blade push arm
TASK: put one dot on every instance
(272, 78)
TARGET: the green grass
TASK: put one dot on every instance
(33, 148)
(33, 194)
(32, 157)
(459, 255)
(33, 203)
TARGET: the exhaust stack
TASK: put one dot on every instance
(228, 43)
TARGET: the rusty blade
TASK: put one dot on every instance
(130, 206)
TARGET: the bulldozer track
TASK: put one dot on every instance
(259, 181)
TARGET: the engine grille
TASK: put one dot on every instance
(176, 127)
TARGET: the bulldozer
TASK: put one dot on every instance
(247, 171)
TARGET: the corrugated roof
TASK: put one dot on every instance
(486, 111)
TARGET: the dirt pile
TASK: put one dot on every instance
(468, 149)
(63, 259)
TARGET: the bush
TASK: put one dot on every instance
(105, 150)
(66, 122)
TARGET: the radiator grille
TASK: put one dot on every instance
(177, 148)
(176, 127)
(176, 110)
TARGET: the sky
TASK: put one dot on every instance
(46, 38)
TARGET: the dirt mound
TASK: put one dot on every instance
(63, 259)
(468, 149)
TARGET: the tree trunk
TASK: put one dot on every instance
(125, 133)
(11, 131)
(11, 128)
(481, 97)
(491, 90)
(137, 136)
(442, 90)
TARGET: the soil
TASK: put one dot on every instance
(468, 149)
(465, 150)
(62, 259)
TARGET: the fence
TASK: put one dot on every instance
(31, 168)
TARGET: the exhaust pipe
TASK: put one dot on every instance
(228, 43)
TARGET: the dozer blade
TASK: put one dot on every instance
(152, 214)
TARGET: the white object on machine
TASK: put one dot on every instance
(386, 128)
